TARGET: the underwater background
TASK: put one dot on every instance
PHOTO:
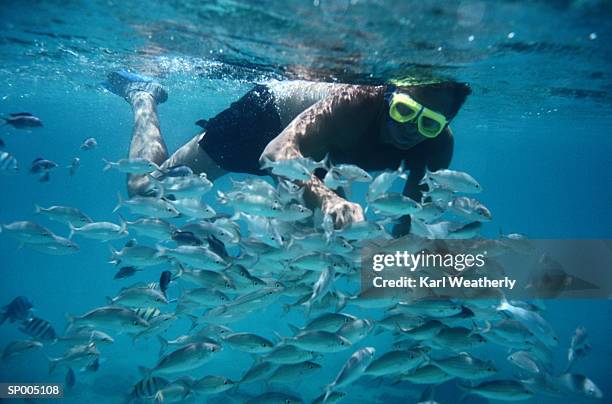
(535, 133)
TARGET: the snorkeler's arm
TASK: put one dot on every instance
(337, 118)
(437, 154)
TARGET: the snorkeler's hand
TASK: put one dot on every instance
(342, 211)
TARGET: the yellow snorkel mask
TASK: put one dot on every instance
(403, 109)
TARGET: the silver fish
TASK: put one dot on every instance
(427, 374)
(140, 297)
(394, 204)
(395, 362)
(295, 371)
(248, 342)
(111, 318)
(258, 371)
(292, 169)
(103, 231)
(76, 356)
(352, 370)
(186, 187)
(189, 357)
(147, 206)
(137, 255)
(469, 208)
(15, 348)
(28, 232)
(525, 362)
(465, 366)
(252, 204)
(155, 228)
(8, 164)
(74, 166)
(89, 144)
(287, 354)
(319, 341)
(194, 208)
(455, 180)
(209, 385)
(132, 166)
(196, 256)
(56, 246)
(503, 390)
(64, 214)
(384, 181)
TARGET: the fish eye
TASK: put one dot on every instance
(135, 323)
(225, 382)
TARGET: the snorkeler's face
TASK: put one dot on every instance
(401, 135)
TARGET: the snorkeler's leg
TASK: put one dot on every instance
(192, 155)
(147, 141)
(144, 94)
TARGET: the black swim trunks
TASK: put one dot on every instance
(236, 137)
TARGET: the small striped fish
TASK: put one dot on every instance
(39, 329)
(148, 387)
(8, 163)
(147, 313)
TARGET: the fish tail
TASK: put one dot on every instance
(72, 230)
(52, 364)
(119, 202)
(70, 320)
(307, 308)
(107, 165)
(115, 259)
(342, 300)
(325, 163)
(328, 391)
(163, 344)
(295, 330)
(37, 209)
(123, 229)
(146, 372)
(265, 163)
(194, 322)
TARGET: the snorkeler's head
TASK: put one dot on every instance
(417, 112)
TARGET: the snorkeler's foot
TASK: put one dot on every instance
(123, 83)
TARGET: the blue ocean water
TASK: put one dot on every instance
(535, 133)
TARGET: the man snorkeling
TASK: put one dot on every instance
(373, 127)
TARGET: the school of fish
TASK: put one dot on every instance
(215, 271)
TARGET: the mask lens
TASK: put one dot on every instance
(431, 124)
(403, 108)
